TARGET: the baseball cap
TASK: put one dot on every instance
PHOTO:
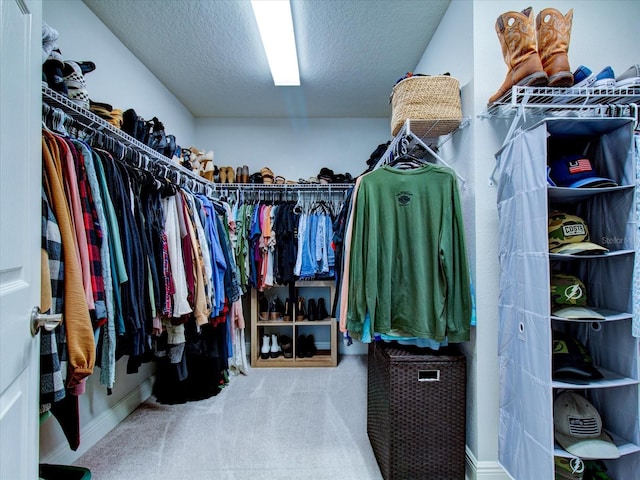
(577, 171)
(569, 234)
(571, 360)
(569, 298)
(578, 428)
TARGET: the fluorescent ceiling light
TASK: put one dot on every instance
(276, 30)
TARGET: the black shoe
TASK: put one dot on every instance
(312, 310)
(301, 347)
(323, 314)
(276, 308)
(288, 310)
(287, 346)
(264, 308)
(300, 310)
(311, 346)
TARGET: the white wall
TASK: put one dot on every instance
(294, 148)
(119, 78)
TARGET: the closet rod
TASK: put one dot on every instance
(94, 123)
(284, 187)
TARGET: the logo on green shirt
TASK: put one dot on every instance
(404, 198)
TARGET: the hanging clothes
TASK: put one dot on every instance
(78, 348)
(147, 259)
(408, 269)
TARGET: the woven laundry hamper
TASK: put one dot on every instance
(432, 100)
(416, 412)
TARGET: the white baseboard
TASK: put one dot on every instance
(483, 470)
(93, 432)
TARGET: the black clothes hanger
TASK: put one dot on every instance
(407, 162)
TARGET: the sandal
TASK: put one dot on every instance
(267, 175)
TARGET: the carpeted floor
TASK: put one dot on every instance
(300, 423)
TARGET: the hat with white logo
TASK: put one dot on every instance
(578, 428)
(569, 298)
(569, 234)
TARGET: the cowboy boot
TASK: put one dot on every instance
(517, 35)
(554, 32)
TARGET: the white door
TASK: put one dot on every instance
(20, 206)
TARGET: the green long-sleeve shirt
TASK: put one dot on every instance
(408, 266)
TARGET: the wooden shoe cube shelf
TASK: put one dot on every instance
(325, 331)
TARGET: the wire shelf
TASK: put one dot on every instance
(92, 122)
(571, 101)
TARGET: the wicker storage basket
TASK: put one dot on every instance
(416, 413)
(434, 100)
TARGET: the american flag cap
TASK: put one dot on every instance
(577, 171)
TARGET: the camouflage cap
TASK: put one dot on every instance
(567, 290)
(569, 234)
(569, 298)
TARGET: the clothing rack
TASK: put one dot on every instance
(70, 115)
(257, 191)
(408, 143)
(67, 115)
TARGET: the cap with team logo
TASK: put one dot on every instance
(576, 171)
(578, 428)
(569, 234)
(571, 360)
(569, 298)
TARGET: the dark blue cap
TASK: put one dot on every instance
(577, 171)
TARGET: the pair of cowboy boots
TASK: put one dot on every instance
(535, 53)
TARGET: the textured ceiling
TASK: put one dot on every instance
(208, 53)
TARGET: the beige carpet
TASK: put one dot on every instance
(302, 423)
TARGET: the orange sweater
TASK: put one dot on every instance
(77, 322)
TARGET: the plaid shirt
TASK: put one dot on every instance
(51, 381)
(94, 238)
